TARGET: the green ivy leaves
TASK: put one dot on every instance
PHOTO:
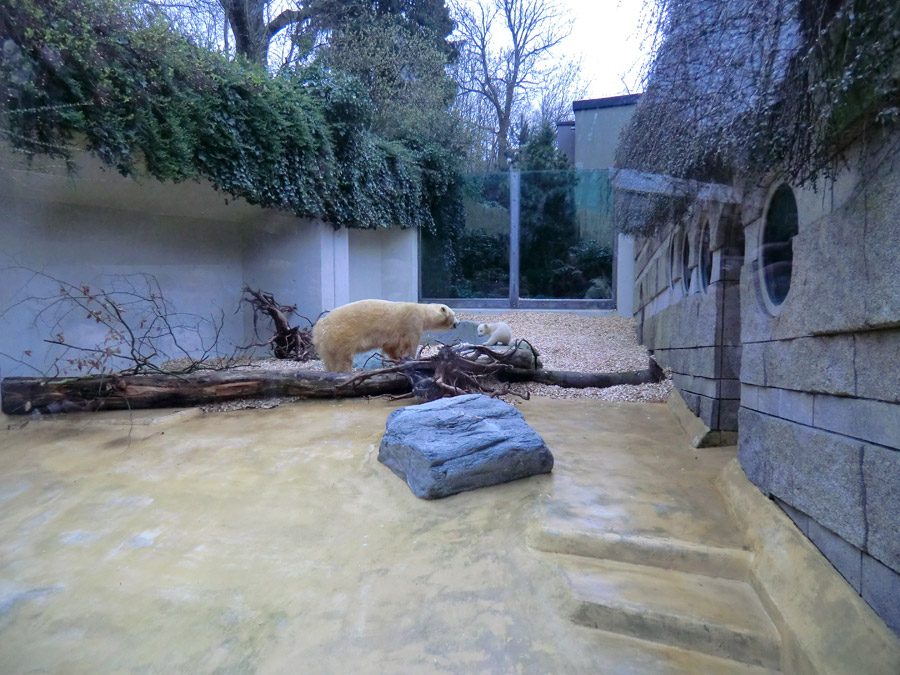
(146, 100)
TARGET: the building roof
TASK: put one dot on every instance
(609, 102)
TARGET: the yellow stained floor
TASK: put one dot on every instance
(273, 541)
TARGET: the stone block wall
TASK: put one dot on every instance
(811, 386)
(690, 326)
(819, 422)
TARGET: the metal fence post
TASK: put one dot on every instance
(514, 238)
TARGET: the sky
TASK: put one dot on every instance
(606, 34)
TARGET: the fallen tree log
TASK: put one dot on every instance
(22, 395)
(455, 370)
(570, 379)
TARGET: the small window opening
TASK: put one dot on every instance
(706, 259)
(685, 264)
(777, 244)
(673, 262)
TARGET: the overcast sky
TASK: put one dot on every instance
(607, 35)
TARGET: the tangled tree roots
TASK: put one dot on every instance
(288, 342)
(463, 369)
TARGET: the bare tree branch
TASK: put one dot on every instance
(502, 76)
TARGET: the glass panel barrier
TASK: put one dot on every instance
(566, 231)
(475, 262)
(566, 239)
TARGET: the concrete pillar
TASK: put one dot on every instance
(624, 275)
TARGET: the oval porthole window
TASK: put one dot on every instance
(673, 262)
(705, 262)
(685, 263)
(777, 244)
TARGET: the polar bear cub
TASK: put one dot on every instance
(500, 333)
(393, 327)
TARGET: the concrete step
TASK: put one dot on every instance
(719, 617)
(575, 538)
(618, 654)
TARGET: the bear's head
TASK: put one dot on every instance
(482, 330)
(445, 318)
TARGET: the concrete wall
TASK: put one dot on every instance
(598, 123)
(565, 139)
(383, 264)
(93, 227)
(624, 258)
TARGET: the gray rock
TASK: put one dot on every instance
(371, 360)
(465, 331)
(461, 443)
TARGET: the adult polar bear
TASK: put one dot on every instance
(393, 327)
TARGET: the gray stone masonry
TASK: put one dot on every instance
(875, 363)
(845, 557)
(814, 471)
(881, 477)
(461, 443)
(878, 584)
(872, 421)
(692, 322)
(852, 364)
(845, 271)
(881, 588)
(820, 364)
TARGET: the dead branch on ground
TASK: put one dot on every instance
(128, 327)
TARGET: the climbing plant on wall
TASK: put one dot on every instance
(739, 89)
(114, 78)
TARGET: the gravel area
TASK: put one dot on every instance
(597, 344)
(587, 344)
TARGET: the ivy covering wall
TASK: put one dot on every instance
(114, 78)
(741, 89)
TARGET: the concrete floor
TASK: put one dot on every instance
(272, 541)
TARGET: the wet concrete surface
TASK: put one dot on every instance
(272, 541)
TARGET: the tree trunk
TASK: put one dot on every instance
(566, 378)
(247, 19)
(23, 395)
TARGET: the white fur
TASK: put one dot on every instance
(393, 327)
(500, 333)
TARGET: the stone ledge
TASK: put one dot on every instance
(701, 435)
(801, 590)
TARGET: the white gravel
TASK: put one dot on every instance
(565, 341)
(586, 344)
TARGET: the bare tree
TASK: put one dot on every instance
(505, 45)
(204, 20)
(553, 99)
(252, 24)
(256, 22)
